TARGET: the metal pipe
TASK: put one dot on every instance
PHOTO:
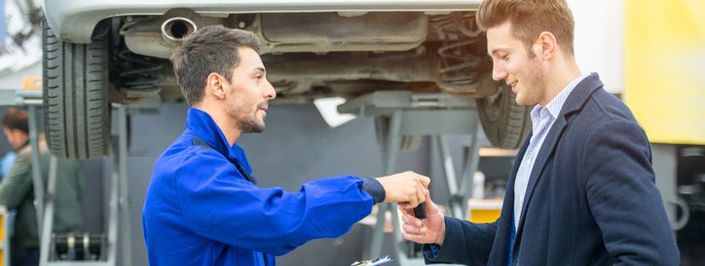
(49, 213)
(36, 170)
(175, 29)
(124, 193)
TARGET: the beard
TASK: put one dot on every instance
(534, 85)
(253, 125)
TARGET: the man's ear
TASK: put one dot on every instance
(546, 45)
(214, 85)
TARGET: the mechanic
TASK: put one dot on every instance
(203, 206)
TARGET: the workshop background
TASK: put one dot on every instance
(650, 53)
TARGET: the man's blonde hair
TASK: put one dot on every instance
(528, 18)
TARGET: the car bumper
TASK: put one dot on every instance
(74, 20)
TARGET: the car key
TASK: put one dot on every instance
(420, 212)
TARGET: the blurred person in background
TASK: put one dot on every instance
(17, 191)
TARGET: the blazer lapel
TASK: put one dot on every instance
(502, 236)
(545, 152)
(574, 103)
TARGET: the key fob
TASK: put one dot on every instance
(420, 211)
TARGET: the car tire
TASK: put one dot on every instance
(75, 96)
(505, 123)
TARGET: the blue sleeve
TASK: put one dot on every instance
(6, 163)
(434, 250)
(623, 198)
(219, 204)
(375, 189)
(465, 243)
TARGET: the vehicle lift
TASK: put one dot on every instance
(420, 114)
(410, 114)
(98, 250)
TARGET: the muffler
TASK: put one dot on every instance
(175, 29)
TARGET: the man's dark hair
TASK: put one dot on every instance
(529, 18)
(211, 49)
(17, 119)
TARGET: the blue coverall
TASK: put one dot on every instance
(201, 209)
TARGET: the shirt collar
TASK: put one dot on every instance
(556, 104)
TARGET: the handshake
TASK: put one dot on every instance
(409, 189)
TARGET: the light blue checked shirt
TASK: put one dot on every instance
(542, 119)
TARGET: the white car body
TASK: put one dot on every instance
(312, 49)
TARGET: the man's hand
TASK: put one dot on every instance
(407, 188)
(431, 231)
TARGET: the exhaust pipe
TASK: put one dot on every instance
(175, 29)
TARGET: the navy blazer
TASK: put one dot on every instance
(591, 198)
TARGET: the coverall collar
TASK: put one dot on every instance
(202, 125)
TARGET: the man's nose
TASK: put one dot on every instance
(498, 72)
(269, 91)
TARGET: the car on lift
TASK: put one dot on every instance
(100, 52)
